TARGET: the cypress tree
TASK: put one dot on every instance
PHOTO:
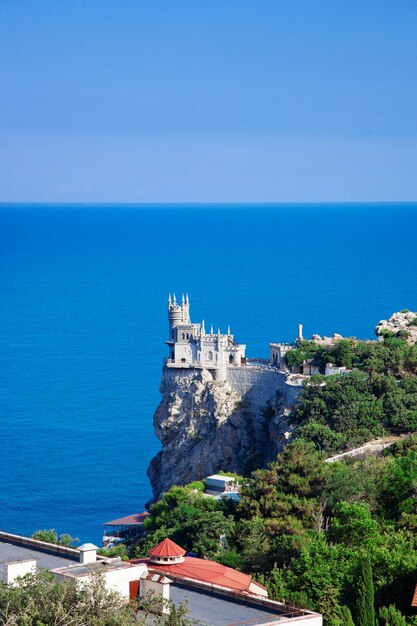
(364, 605)
(391, 616)
(345, 616)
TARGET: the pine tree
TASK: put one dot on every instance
(364, 606)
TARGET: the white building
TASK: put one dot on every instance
(216, 594)
(121, 576)
(190, 345)
(335, 369)
(277, 351)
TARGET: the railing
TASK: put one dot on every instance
(283, 611)
(258, 361)
(273, 619)
(41, 546)
(264, 364)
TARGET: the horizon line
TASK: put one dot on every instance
(206, 204)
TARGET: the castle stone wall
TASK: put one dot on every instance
(261, 385)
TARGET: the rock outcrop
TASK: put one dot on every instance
(403, 323)
(206, 426)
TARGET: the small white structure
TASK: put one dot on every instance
(190, 345)
(218, 484)
(277, 352)
(10, 571)
(159, 585)
(88, 553)
(335, 369)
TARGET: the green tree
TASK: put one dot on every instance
(345, 616)
(352, 525)
(364, 603)
(344, 353)
(51, 536)
(39, 600)
(391, 616)
(197, 523)
(324, 437)
(305, 350)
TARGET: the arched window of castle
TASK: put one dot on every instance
(231, 360)
(210, 355)
(183, 335)
(188, 335)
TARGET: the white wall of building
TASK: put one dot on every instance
(114, 579)
(14, 570)
(119, 579)
(159, 588)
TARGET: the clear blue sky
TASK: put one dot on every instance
(208, 100)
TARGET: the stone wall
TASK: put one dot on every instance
(207, 425)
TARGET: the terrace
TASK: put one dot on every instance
(216, 608)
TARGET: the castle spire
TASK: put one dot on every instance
(228, 330)
(182, 299)
(187, 299)
(174, 300)
(211, 330)
(218, 330)
(203, 328)
(169, 300)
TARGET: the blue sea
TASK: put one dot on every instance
(83, 321)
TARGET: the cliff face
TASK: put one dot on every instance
(400, 321)
(206, 426)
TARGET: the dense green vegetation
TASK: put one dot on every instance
(311, 531)
(335, 537)
(377, 398)
(339, 538)
(189, 518)
(38, 600)
(393, 355)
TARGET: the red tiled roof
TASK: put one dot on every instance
(130, 520)
(204, 571)
(414, 600)
(167, 548)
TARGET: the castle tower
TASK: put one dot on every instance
(178, 313)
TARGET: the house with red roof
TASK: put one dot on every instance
(217, 595)
(169, 558)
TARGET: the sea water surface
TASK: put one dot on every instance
(83, 292)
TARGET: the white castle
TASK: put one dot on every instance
(190, 345)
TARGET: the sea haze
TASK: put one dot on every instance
(83, 322)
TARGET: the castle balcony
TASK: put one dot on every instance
(184, 365)
(264, 364)
(207, 365)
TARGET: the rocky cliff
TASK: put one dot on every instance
(401, 322)
(205, 425)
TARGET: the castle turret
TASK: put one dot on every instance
(175, 315)
(178, 313)
(185, 307)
